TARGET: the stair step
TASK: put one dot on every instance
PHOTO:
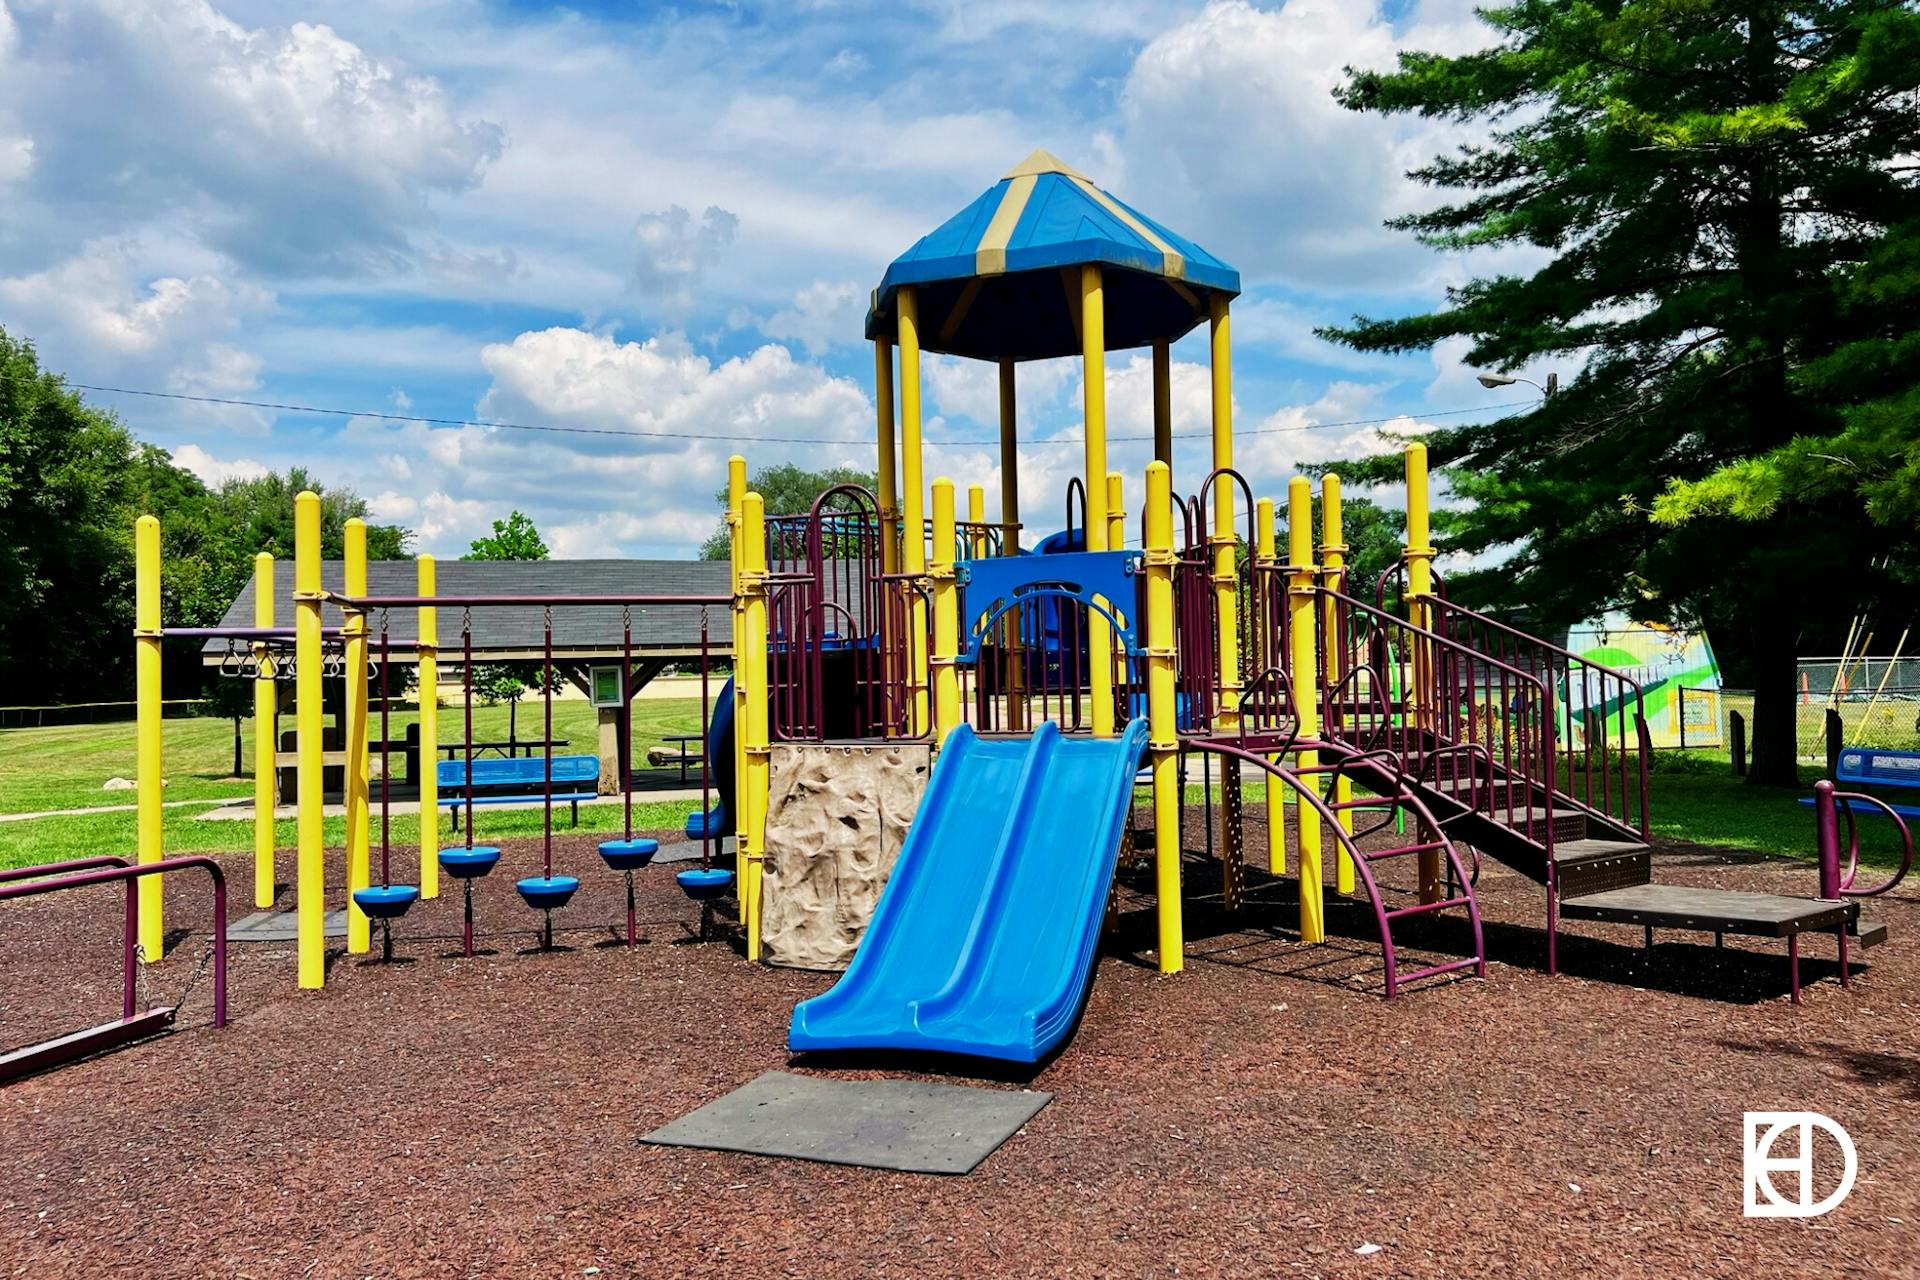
(1869, 933)
(1569, 851)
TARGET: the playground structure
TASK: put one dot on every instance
(1405, 728)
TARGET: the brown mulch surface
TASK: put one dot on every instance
(1263, 1113)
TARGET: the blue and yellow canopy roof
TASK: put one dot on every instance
(999, 280)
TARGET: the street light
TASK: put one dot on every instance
(1493, 380)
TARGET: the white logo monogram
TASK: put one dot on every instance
(1763, 1200)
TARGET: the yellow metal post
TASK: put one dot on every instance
(148, 764)
(1226, 593)
(310, 894)
(1266, 559)
(946, 621)
(736, 502)
(1093, 351)
(1010, 545)
(265, 705)
(1301, 627)
(751, 669)
(888, 496)
(1162, 727)
(1333, 561)
(354, 641)
(1116, 512)
(1420, 614)
(1163, 403)
(913, 516)
(428, 584)
(977, 544)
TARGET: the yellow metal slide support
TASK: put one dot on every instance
(1162, 726)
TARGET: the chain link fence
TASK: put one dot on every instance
(1878, 700)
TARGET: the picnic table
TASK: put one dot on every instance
(689, 749)
(506, 748)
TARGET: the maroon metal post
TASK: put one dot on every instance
(626, 738)
(466, 695)
(386, 769)
(706, 765)
(546, 702)
(1826, 826)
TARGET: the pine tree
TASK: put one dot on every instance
(1728, 194)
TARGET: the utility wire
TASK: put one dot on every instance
(708, 435)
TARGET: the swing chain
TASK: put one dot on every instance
(193, 979)
(142, 997)
(626, 617)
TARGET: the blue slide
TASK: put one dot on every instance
(982, 942)
(716, 821)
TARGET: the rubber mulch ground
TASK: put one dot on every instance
(1264, 1113)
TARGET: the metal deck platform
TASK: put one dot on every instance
(1720, 912)
(1672, 906)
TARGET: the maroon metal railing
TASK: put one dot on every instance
(830, 605)
(1597, 713)
(1461, 719)
(28, 882)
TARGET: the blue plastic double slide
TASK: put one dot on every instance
(983, 941)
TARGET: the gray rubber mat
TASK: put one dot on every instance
(908, 1125)
(282, 926)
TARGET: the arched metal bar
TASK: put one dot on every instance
(1843, 800)
(970, 652)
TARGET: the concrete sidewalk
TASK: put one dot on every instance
(243, 812)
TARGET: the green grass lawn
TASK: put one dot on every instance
(64, 767)
(1693, 796)
(55, 839)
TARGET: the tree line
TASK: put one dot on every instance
(73, 480)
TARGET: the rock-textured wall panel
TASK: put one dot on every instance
(836, 818)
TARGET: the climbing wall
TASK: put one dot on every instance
(836, 818)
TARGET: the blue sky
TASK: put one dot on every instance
(666, 219)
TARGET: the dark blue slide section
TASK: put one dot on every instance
(718, 821)
(983, 941)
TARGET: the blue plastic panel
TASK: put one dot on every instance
(1075, 575)
(1879, 767)
(493, 771)
(983, 940)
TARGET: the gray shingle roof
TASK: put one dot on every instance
(515, 631)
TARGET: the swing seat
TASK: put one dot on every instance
(544, 893)
(704, 885)
(628, 855)
(463, 863)
(386, 902)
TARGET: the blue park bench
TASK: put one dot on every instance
(1874, 767)
(517, 780)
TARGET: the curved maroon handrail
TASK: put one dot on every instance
(1843, 801)
(107, 869)
(1310, 796)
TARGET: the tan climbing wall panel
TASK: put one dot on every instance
(836, 818)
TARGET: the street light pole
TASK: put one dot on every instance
(1546, 390)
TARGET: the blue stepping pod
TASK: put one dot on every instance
(386, 902)
(463, 863)
(702, 885)
(544, 893)
(628, 855)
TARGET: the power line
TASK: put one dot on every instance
(717, 436)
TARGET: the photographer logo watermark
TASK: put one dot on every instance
(1766, 1130)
